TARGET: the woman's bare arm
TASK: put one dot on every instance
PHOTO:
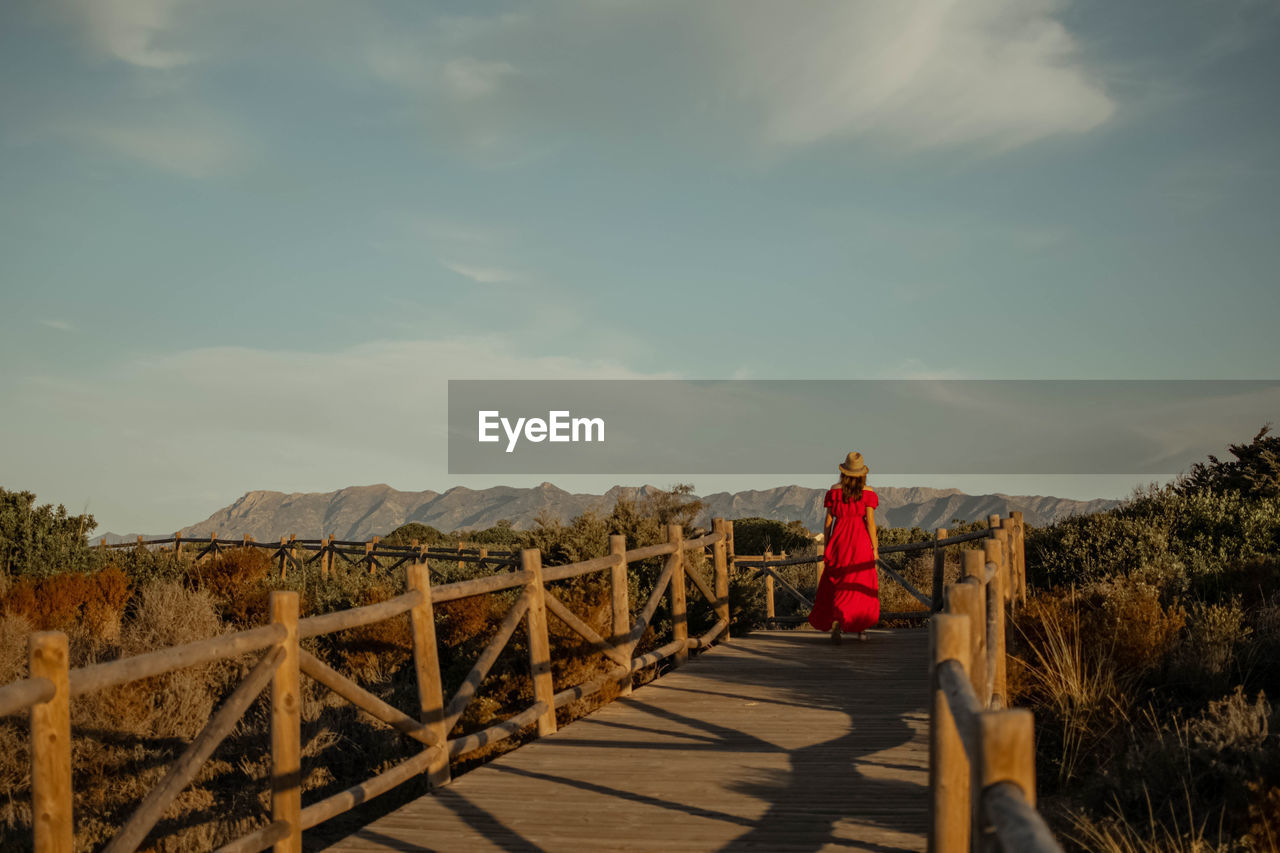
(871, 528)
(826, 529)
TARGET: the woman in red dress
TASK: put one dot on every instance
(848, 596)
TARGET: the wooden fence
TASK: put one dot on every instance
(982, 759)
(51, 684)
(294, 553)
(767, 565)
(982, 775)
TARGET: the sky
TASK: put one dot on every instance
(244, 245)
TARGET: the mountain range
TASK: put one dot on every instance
(360, 512)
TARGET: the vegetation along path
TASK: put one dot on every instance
(778, 741)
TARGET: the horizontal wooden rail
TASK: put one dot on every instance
(573, 570)
(344, 801)
(589, 688)
(659, 550)
(357, 617)
(497, 732)
(21, 695)
(102, 676)
(702, 541)
(782, 561)
(480, 586)
(658, 654)
(259, 839)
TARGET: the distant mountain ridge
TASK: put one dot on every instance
(360, 512)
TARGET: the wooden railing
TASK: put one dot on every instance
(51, 684)
(767, 565)
(292, 552)
(981, 769)
(982, 775)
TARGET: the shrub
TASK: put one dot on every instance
(60, 602)
(236, 578)
(1207, 655)
(41, 541)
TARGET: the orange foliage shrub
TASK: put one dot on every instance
(60, 602)
(236, 578)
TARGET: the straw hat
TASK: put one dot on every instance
(854, 466)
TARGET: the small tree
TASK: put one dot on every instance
(41, 540)
(1255, 472)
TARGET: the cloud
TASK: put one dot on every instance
(138, 438)
(60, 325)
(927, 74)
(133, 31)
(485, 275)
(470, 78)
(191, 144)
(916, 74)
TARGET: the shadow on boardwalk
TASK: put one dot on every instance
(777, 742)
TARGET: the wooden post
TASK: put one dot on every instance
(484, 554)
(1019, 558)
(326, 556)
(948, 764)
(620, 601)
(286, 726)
(293, 553)
(426, 665)
(939, 567)
(968, 598)
(177, 545)
(994, 552)
(539, 642)
(368, 555)
(213, 543)
(768, 590)
(679, 596)
(719, 552)
(51, 746)
(993, 521)
(1005, 753)
(284, 561)
(141, 544)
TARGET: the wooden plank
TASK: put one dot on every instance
(778, 741)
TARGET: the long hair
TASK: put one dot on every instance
(852, 486)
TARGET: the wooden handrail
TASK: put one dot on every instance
(21, 695)
(47, 693)
(981, 757)
(975, 746)
(101, 676)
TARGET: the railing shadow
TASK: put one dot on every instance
(823, 790)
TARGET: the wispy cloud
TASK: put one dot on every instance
(486, 275)
(919, 74)
(134, 31)
(60, 325)
(191, 144)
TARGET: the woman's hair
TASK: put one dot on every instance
(852, 486)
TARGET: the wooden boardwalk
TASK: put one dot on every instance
(778, 741)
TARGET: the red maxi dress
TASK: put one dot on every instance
(850, 588)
